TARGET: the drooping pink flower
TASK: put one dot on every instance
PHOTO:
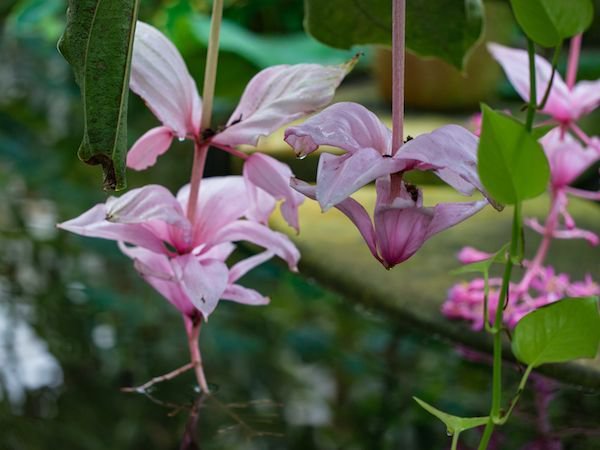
(186, 262)
(401, 224)
(274, 97)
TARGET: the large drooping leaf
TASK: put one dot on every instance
(548, 22)
(562, 331)
(511, 163)
(446, 29)
(97, 43)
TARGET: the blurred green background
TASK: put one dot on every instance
(309, 371)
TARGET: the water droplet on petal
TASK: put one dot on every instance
(301, 155)
(181, 138)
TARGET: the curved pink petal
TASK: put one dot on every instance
(149, 147)
(155, 208)
(585, 97)
(515, 63)
(345, 125)
(245, 230)
(590, 195)
(243, 295)
(450, 151)
(279, 95)
(222, 200)
(469, 255)
(159, 75)
(203, 282)
(446, 215)
(274, 177)
(351, 209)
(567, 157)
(241, 268)
(93, 223)
(339, 176)
(156, 270)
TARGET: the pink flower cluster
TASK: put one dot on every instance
(465, 299)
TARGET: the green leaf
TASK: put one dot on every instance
(511, 163)
(541, 131)
(548, 22)
(97, 43)
(562, 331)
(453, 424)
(446, 29)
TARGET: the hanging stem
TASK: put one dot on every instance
(532, 106)
(549, 87)
(574, 51)
(398, 31)
(193, 344)
(208, 93)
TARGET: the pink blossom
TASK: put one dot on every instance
(186, 262)
(401, 223)
(274, 97)
(545, 286)
(564, 105)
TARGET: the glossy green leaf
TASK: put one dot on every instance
(446, 29)
(453, 424)
(548, 22)
(511, 163)
(562, 331)
(97, 43)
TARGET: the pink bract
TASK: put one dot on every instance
(401, 224)
(186, 262)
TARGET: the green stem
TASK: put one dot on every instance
(455, 441)
(532, 106)
(517, 396)
(495, 417)
(549, 87)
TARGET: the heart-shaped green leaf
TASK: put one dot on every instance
(562, 331)
(445, 29)
(511, 163)
(97, 43)
(548, 22)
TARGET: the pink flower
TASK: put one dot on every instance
(565, 106)
(186, 262)
(401, 224)
(274, 97)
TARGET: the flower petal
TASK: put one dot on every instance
(446, 215)
(274, 177)
(339, 176)
(573, 233)
(159, 75)
(149, 147)
(469, 255)
(203, 282)
(241, 268)
(222, 200)
(349, 207)
(156, 270)
(241, 294)
(279, 95)
(245, 230)
(585, 97)
(345, 125)
(515, 63)
(451, 152)
(93, 223)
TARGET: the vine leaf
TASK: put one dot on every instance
(97, 43)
